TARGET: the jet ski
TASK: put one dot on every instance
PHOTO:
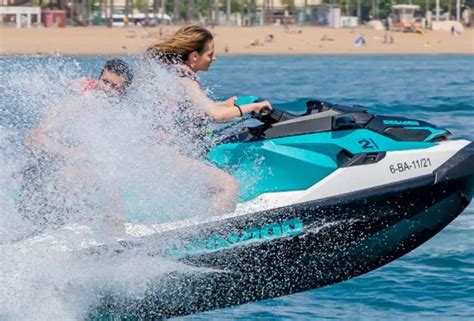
(329, 194)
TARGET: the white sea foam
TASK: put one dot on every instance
(115, 153)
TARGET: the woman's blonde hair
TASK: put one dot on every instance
(178, 48)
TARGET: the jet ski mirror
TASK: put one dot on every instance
(344, 121)
(314, 105)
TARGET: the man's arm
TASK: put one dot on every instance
(45, 136)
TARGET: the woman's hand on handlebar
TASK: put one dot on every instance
(257, 107)
(220, 111)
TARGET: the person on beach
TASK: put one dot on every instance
(188, 51)
(359, 41)
(454, 31)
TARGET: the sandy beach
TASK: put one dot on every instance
(233, 41)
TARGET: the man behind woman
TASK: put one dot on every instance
(56, 155)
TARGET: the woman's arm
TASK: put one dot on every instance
(220, 111)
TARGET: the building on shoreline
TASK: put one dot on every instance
(24, 16)
(220, 12)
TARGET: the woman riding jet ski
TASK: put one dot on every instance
(327, 195)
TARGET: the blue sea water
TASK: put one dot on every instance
(435, 281)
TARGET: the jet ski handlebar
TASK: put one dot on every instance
(270, 116)
(266, 115)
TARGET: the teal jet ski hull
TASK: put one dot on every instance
(348, 192)
(290, 250)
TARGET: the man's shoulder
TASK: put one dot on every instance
(84, 85)
(88, 84)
